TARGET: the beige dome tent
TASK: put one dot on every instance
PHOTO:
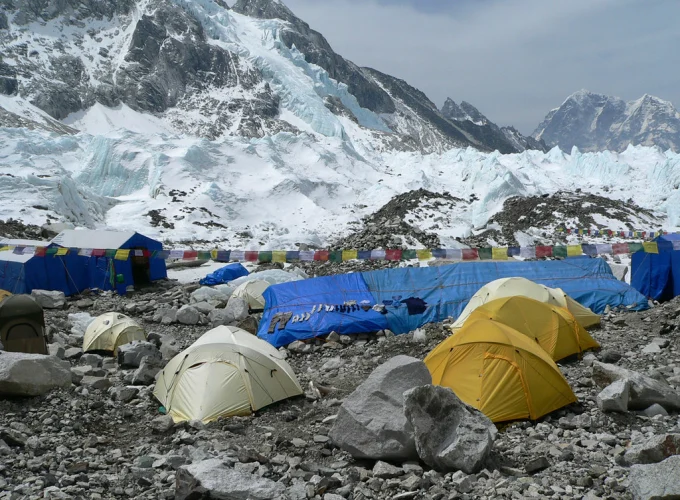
(110, 331)
(251, 292)
(224, 373)
(508, 287)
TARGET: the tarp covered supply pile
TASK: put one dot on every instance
(224, 373)
(224, 275)
(405, 299)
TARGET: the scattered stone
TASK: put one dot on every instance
(73, 353)
(651, 349)
(332, 364)
(212, 479)
(608, 356)
(614, 397)
(124, 394)
(654, 410)
(93, 360)
(449, 434)
(24, 374)
(383, 470)
(536, 465)
(237, 308)
(147, 371)
(371, 422)
(656, 481)
(653, 450)
(49, 299)
(188, 315)
(644, 391)
(162, 424)
(100, 383)
(131, 355)
(56, 350)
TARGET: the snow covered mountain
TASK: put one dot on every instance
(504, 139)
(596, 122)
(193, 122)
(208, 71)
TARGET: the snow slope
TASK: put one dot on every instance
(285, 189)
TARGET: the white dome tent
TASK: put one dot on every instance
(251, 292)
(224, 373)
(110, 331)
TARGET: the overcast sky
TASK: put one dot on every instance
(513, 59)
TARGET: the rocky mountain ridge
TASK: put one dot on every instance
(597, 122)
(211, 71)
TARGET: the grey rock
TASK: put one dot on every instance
(24, 374)
(651, 348)
(131, 355)
(614, 397)
(56, 350)
(188, 315)
(299, 347)
(166, 316)
(653, 450)
(147, 371)
(100, 383)
(212, 479)
(333, 364)
(207, 294)
(203, 307)
(371, 422)
(73, 353)
(124, 394)
(162, 424)
(249, 324)
(661, 341)
(449, 434)
(537, 464)
(608, 356)
(49, 299)
(220, 317)
(93, 360)
(383, 470)
(644, 391)
(656, 481)
(654, 410)
(237, 308)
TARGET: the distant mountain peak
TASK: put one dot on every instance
(265, 9)
(597, 122)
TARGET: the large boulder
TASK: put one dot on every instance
(615, 396)
(656, 481)
(653, 450)
(188, 315)
(147, 371)
(644, 391)
(132, 354)
(213, 479)
(24, 374)
(237, 308)
(207, 294)
(49, 299)
(449, 434)
(371, 422)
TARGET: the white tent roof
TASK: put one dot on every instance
(10, 256)
(87, 238)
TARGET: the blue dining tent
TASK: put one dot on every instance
(657, 275)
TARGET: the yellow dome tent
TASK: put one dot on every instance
(110, 331)
(509, 287)
(251, 292)
(554, 328)
(499, 371)
(224, 373)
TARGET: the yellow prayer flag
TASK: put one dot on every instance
(499, 253)
(349, 255)
(574, 250)
(279, 256)
(62, 251)
(650, 247)
(122, 254)
(424, 254)
(213, 254)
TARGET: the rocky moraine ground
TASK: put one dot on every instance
(104, 437)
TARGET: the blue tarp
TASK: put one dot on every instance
(415, 296)
(224, 275)
(657, 276)
(302, 297)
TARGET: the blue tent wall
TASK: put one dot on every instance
(657, 276)
(301, 297)
(448, 289)
(445, 289)
(50, 272)
(157, 269)
(12, 277)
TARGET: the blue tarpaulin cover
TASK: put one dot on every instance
(444, 290)
(657, 276)
(224, 275)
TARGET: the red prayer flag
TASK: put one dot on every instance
(619, 248)
(190, 254)
(98, 252)
(252, 256)
(392, 254)
(544, 251)
(470, 254)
